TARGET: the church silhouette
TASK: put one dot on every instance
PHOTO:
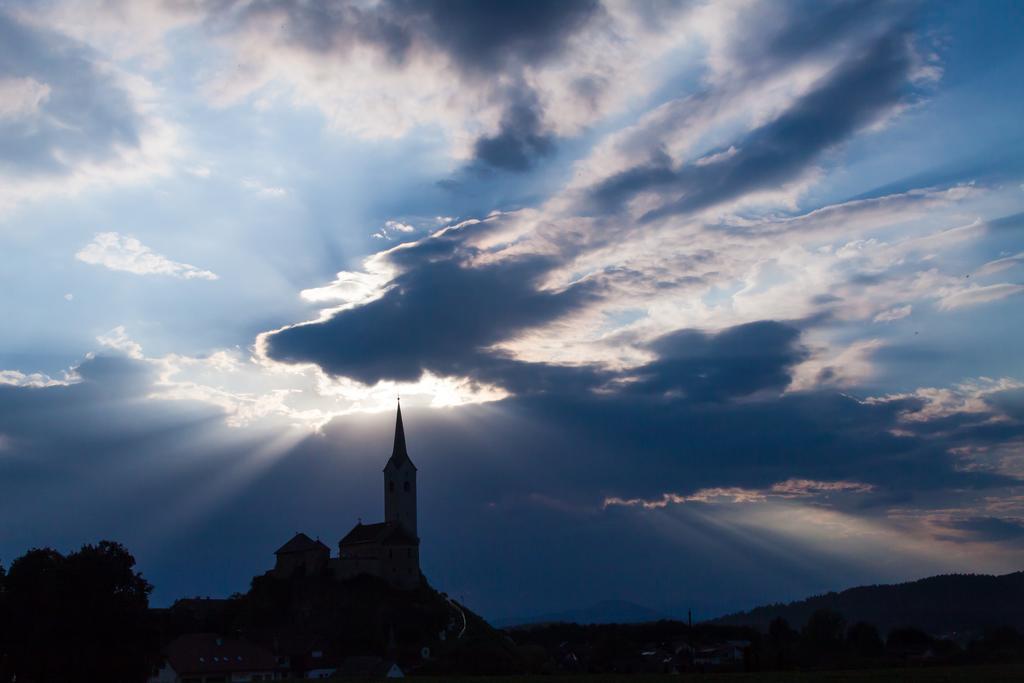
(388, 549)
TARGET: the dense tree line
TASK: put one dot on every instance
(77, 617)
(826, 641)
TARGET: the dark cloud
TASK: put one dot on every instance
(482, 37)
(80, 115)
(850, 98)
(774, 34)
(735, 362)
(438, 315)
(520, 142)
(488, 36)
(495, 39)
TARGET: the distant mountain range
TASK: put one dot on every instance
(953, 603)
(606, 612)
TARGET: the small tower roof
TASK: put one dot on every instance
(301, 543)
(399, 455)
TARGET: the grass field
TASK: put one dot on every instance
(961, 674)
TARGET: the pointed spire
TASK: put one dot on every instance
(399, 451)
(399, 456)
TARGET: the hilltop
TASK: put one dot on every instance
(420, 628)
(947, 604)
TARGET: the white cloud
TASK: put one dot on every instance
(977, 294)
(845, 367)
(398, 226)
(969, 397)
(264, 190)
(20, 98)
(715, 158)
(125, 253)
(1001, 264)
(34, 380)
(353, 288)
(892, 314)
(118, 340)
(391, 227)
(120, 29)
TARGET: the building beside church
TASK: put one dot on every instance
(388, 549)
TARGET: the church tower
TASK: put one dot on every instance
(400, 483)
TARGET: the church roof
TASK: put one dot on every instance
(301, 543)
(399, 454)
(381, 533)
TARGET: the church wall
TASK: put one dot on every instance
(400, 496)
(350, 567)
(311, 563)
(401, 565)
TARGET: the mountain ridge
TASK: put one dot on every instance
(942, 604)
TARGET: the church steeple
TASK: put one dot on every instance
(399, 455)
(400, 482)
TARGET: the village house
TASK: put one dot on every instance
(211, 658)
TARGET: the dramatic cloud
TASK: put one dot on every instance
(735, 362)
(438, 314)
(850, 98)
(125, 253)
(492, 73)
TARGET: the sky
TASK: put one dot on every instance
(696, 305)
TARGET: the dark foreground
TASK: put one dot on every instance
(938, 674)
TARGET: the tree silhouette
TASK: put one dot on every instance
(822, 637)
(80, 617)
(864, 640)
(908, 640)
(824, 630)
(782, 639)
(780, 632)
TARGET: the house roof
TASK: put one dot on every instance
(197, 653)
(381, 533)
(399, 454)
(301, 543)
